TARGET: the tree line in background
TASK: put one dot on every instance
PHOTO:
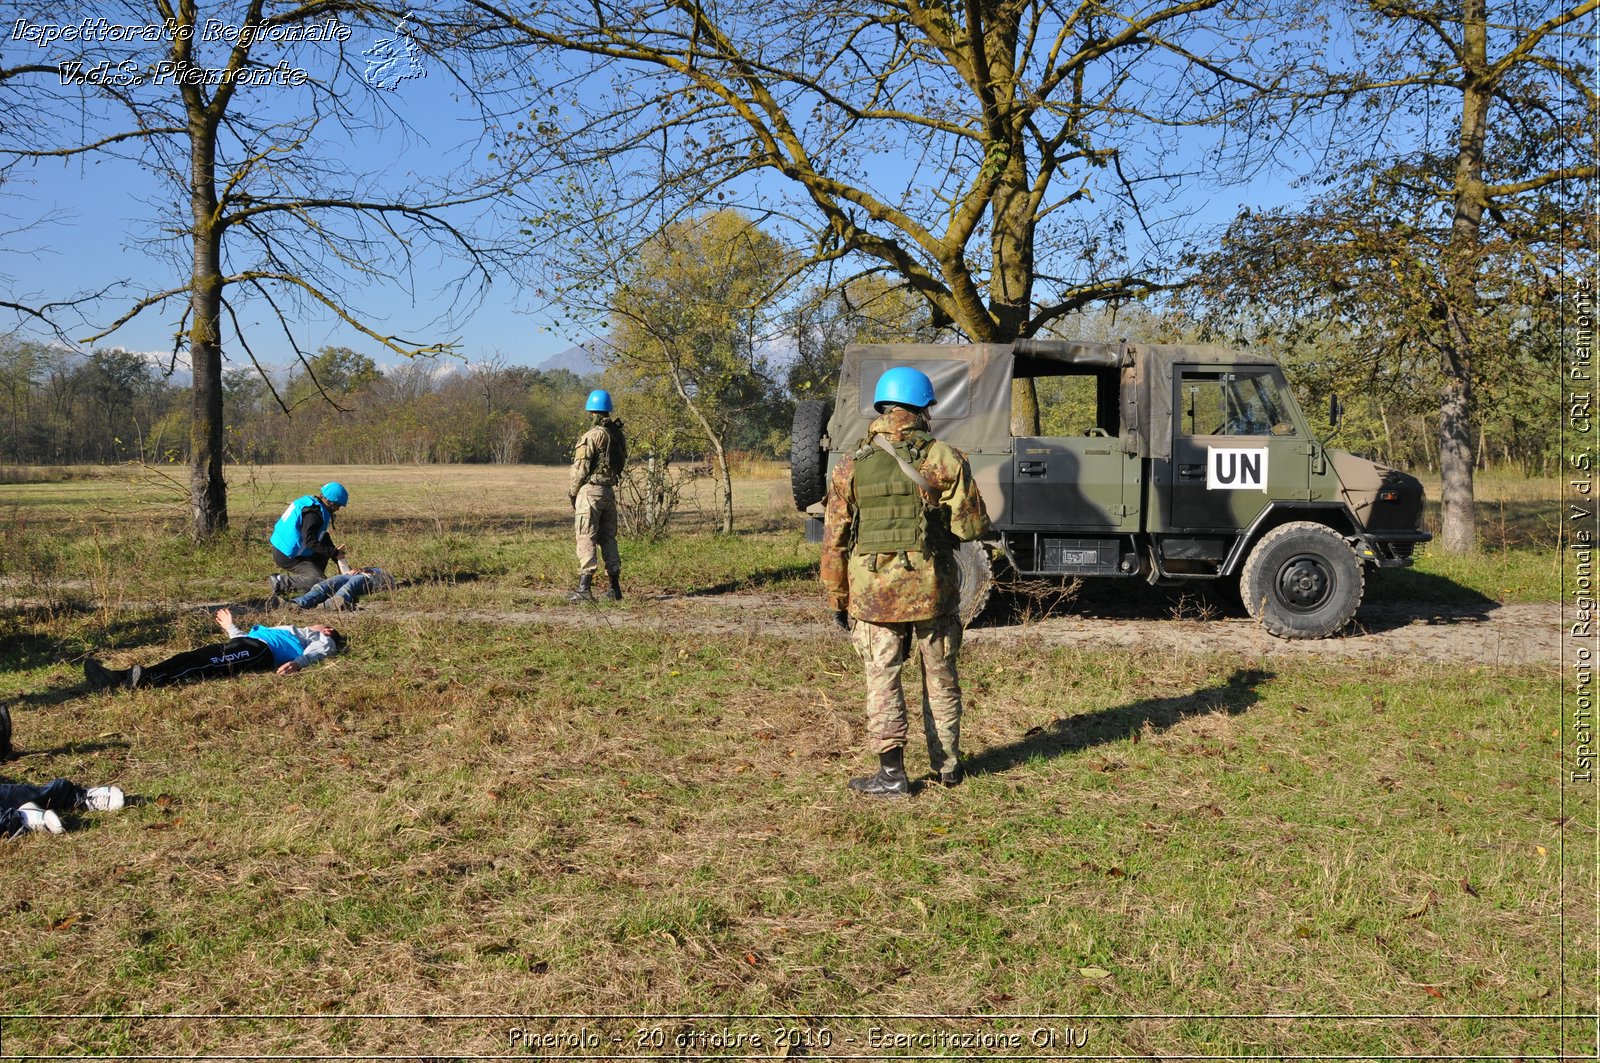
(59, 406)
(110, 406)
(700, 180)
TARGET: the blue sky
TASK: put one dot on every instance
(81, 224)
(90, 217)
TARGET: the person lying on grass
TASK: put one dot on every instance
(285, 649)
(25, 808)
(341, 592)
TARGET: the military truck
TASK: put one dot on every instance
(1192, 465)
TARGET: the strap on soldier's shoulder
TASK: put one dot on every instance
(911, 474)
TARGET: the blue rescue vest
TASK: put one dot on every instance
(284, 646)
(286, 533)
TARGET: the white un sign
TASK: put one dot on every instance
(1234, 469)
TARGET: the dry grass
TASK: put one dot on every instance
(477, 815)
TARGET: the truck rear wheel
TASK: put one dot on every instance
(808, 462)
(977, 579)
(1302, 581)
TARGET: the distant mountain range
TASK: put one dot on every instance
(579, 359)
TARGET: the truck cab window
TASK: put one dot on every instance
(1232, 404)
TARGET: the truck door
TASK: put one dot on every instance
(1074, 483)
(1082, 476)
(1237, 443)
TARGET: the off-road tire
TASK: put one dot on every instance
(1302, 581)
(808, 462)
(977, 579)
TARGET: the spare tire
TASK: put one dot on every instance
(977, 579)
(808, 462)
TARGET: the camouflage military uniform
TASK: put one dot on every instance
(906, 600)
(594, 503)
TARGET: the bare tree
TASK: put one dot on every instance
(246, 110)
(1010, 161)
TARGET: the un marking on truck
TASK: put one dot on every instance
(1234, 469)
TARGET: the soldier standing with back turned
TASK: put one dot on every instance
(896, 511)
(596, 469)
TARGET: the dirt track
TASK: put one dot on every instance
(1495, 634)
(1521, 633)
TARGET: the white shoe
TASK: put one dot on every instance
(36, 818)
(104, 799)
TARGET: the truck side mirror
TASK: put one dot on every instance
(1335, 411)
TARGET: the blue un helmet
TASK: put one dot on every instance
(334, 494)
(904, 386)
(599, 401)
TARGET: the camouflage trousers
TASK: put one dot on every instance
(594, 520)
(884, 649)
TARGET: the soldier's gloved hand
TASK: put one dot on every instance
(842, 619)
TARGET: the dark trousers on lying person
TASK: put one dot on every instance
(59, 795)
(242, 654)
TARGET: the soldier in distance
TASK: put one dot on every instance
(597, 464)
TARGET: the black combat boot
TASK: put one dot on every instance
(585, 591)
(615, 593)
(98, 676)
(5, 733)
(891, 779)
(954, 776)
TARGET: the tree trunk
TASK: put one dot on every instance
(1457, 530)
(208, 491)
(726, 486)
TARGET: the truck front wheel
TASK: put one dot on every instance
(1302, 581)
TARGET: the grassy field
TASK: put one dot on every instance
(485, 817)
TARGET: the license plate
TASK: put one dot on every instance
(1080, 557)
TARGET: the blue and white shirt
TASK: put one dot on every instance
(303, 646)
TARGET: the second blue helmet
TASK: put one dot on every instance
(334, 493)
(905, 386)
(599, 401)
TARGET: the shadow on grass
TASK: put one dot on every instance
(1396, 597)
(18, 752)
(539, 521)
(1076, 733)
(801, 570)
(435, 577)
(28, 649)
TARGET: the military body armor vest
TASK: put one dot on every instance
(892, 516)
(609, 462)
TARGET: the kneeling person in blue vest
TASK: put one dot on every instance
(302, 540)
(285, 649)
(897, 509)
